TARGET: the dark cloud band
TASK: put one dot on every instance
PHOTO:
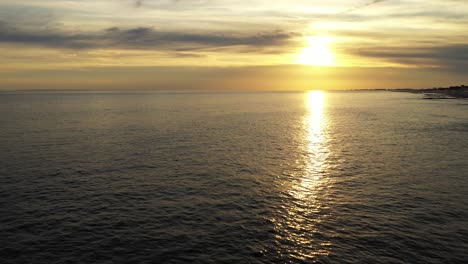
(450, 56)
(143, 38)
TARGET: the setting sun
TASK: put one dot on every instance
(317, 52)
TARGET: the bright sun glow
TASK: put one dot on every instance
(317, 53)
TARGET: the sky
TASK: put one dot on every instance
(232, 45)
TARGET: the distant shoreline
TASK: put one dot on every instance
(452, 92)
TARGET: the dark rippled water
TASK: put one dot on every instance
(233, 178)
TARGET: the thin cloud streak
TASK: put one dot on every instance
(453, 57)
(352, 9)
(145, 38)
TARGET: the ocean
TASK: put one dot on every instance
(233, 177)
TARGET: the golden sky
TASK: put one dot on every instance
(232, 45)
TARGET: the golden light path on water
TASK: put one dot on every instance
(309, 187)
(314, 124)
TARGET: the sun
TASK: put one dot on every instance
(317, 52)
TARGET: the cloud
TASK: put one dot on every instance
(453, 56)
(138, 3)
(352, 9)
(144, 38)
(172, 4)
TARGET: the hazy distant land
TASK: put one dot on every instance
(441, 92)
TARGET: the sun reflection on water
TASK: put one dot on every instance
(315, 118)
(316, 150)
(307, 206)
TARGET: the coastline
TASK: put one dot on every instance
(452, 92)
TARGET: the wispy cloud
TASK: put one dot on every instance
(144, 38)
(352, 9)
(449, 56)
(138, 3)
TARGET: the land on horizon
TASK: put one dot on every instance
(460, 91)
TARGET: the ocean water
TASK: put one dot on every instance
(152, 177)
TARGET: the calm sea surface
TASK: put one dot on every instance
(349, 177)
